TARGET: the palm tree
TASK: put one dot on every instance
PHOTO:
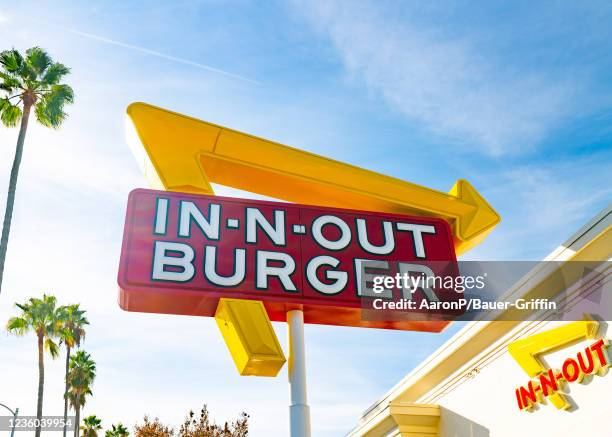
(41, 317)
(34, 81)
(81, 374)
(91, 426)
(117, 431)
(71, 334)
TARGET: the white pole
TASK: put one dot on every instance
(299, 411)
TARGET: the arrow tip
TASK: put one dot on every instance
(479, 222)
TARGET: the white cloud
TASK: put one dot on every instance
(441, 82)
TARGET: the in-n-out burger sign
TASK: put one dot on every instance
(183, 252)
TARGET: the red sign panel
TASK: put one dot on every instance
(183, 252)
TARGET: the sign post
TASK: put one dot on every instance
(299, 411)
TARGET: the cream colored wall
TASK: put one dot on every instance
(456, 425)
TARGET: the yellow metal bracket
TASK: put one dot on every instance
(250, 337)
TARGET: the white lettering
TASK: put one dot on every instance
(161, 216)
(363, 278)
(210, 267)
(276, 233)
(340, 278)
(317, 232)
(210, 226)
(417, 235)
(183, 263)
(282, 273)
(362, 236)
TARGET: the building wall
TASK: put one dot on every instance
(485, 403)
(472, 378)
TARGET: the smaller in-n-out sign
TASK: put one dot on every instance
(183, 252)
(592, 360)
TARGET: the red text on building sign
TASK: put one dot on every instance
(591, 360)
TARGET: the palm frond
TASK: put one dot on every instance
(18, 326)
(9, 86)
(9, 83)
(28, 74)
(73, 321)
(66, 337)
(11, 60)
(50, 108)
(62, 94)
(52, 347)
(9, 114)
(75, 399)
(49, 299)
(38, 60)
(49, 116)
(54, 73)
(22, 306)
(91, 422)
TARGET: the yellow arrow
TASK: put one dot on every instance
(527, 351)
(181, 153)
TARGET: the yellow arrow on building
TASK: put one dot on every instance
(528, 351)
(180, 153)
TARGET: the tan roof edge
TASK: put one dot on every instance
(592, 242)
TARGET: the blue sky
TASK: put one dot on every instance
(516, 98)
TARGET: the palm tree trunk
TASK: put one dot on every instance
(77, 419)
(10, 199)
(66, 389)
(41, 383)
